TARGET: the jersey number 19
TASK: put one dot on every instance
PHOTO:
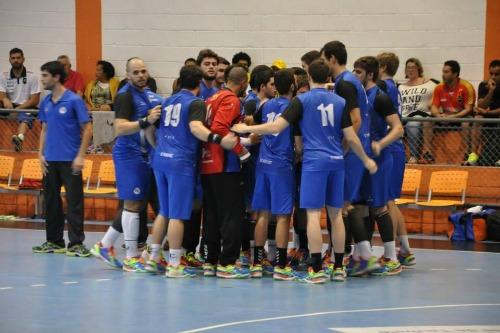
(172, 115)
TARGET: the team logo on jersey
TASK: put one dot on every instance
(137, 191)
(62, 110)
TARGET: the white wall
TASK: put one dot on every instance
(43, 29)
(165, 32)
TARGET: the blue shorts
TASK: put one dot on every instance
(133, 178)
(26, 118)
(354, 172)
(320, 188)
(274, 192)
(175, 194)
(375, 188)
(397, 174)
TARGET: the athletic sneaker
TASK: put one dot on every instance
(267, 267)
(256, 271)
(49, 247)
(362, 267)
(313, 277)
(346, 260)
(180, 271)
(297, 257)
(284, 274)
(18, 143)
(472, 159)
(407, 260)
(245, 258)
(208, 269)
(190, 260)
(78, 250)
(339, 275)
(140, 246)
(328, 268)
(327, 258)
(134, 265)
(153, 266)
(388, 268)
(232, 272)
(106, 254)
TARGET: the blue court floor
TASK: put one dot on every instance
(55, 293)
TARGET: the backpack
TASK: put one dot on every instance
(470, 226)
(493, 226)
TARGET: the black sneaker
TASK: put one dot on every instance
(78, 250)
(49, 247)
(18, 143)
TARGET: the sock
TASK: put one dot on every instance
(355, 252)
(258, 255)
(316, 261)
(364, 250)
(155, 252)
(339, 259)
(390, 250)
(110, 237)
(174, 258)
(303, 242)
(405, 244)
(281, 257)
(21, 136)
(130, 224)
(271, 250)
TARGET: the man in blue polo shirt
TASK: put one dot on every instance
(65, 136)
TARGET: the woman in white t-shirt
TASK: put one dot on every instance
(416, 98)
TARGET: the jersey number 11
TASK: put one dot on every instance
(326, 114)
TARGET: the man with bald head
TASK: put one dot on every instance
(223, 210)
(136, 109)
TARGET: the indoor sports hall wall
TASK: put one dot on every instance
(165, 32)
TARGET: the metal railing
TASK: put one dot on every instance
(427, 140)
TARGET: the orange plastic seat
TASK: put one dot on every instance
(411, 185)
(106, 174)
(86, 173)
(446, 183)
(6, 170)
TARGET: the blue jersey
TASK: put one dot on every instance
(63, 120)
(177, 149)
(379, 126)
(321, 124)
(206, 92)
(133, 104)
(276, 150)
(364, 130)
(395, 95)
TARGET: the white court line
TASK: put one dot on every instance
(439, 269)
(315, 314)
(70, 282)
(38, 285)
(473, 269)
(6, 288)
(102, 280)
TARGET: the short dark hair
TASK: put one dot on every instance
(190, 77)
(319, 71)
(454, 65)
(189, 60)
(107, 68)
(391, 62)
(310, 56)
(15, 51)
(283, 80)
(336, 49)
(206, 53)
(369, 64)
(494, 63)
(236, 74)
(299, 70)
(54, 68)
(223, 61)
(241, 56)
(303, 81)
(263, 77)
(254, 72)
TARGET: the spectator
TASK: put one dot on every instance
(219, 77)
(488, 106)
(19, 89)
(100, 93)
(65, 135)
(416, 98)
(454, 98)
(308, 58)
(74, 80)
(243, 59)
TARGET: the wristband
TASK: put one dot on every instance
(214, 138)
(144, 123)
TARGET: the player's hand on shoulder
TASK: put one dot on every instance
(154, 114)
